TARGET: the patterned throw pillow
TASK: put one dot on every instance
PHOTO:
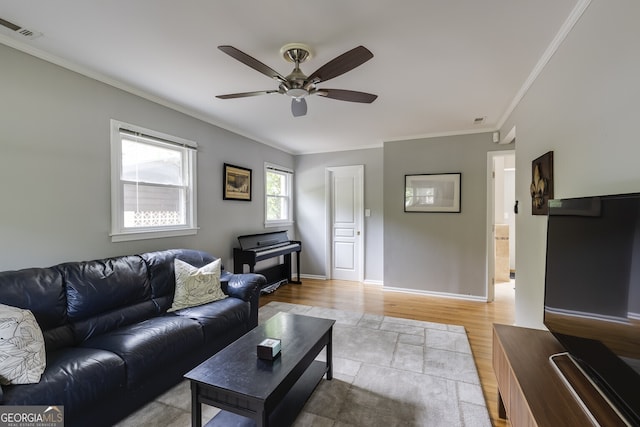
(196, 286)
(22, 353)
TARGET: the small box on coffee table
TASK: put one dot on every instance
(269, 349)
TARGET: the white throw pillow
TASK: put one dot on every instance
(196, 286)
(22, 353)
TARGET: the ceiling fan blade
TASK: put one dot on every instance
(347, 95)
(341, 64)
(299, 107)
(245, 94)
(252, 62)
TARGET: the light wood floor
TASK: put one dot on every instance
(476, 317)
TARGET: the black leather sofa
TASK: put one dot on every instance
(110, 344)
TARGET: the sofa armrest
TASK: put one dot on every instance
(244, 286)
(247, 287)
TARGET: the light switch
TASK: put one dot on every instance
(367, 212)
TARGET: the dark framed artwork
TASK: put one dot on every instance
(432, 192)
(541, 188)
(236, 183)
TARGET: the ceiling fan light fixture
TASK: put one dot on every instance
(297, 93)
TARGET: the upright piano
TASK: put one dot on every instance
(259, 247)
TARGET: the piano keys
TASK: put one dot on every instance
(259, 247)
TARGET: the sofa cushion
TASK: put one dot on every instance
(75, 377)
(94, 287)
(161, 272)
(22, 353)
(106, 294)
(196, 286)
(109, 321)
(40, 290)
(150, 346)
(219, 318)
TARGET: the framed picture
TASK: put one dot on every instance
(236, 183)
(432, 192)
(541, 187)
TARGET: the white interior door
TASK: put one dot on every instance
(346, 218)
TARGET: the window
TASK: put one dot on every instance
(425, 196)
(152, 184)
(278, 196)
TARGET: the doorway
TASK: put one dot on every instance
(345, 219)
(501, 227)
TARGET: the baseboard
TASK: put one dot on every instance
(436, 294)
(317, 277)
(407, 290)
(313, 276)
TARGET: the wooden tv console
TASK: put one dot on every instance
(533, 393)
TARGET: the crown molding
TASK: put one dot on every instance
(565, 29)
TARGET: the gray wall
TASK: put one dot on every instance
(55, 171)
(438, 252)
(310, 214)
(585, 107)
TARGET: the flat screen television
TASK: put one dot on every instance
(592, 291)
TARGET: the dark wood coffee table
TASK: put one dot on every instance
(256, 392)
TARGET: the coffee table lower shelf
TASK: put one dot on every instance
(287, 410)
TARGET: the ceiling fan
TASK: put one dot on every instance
(297, 85)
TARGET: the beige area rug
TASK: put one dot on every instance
(387, 372)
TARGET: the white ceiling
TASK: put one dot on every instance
(438, 64)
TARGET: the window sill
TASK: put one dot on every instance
(273, 224)
(151, 234)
